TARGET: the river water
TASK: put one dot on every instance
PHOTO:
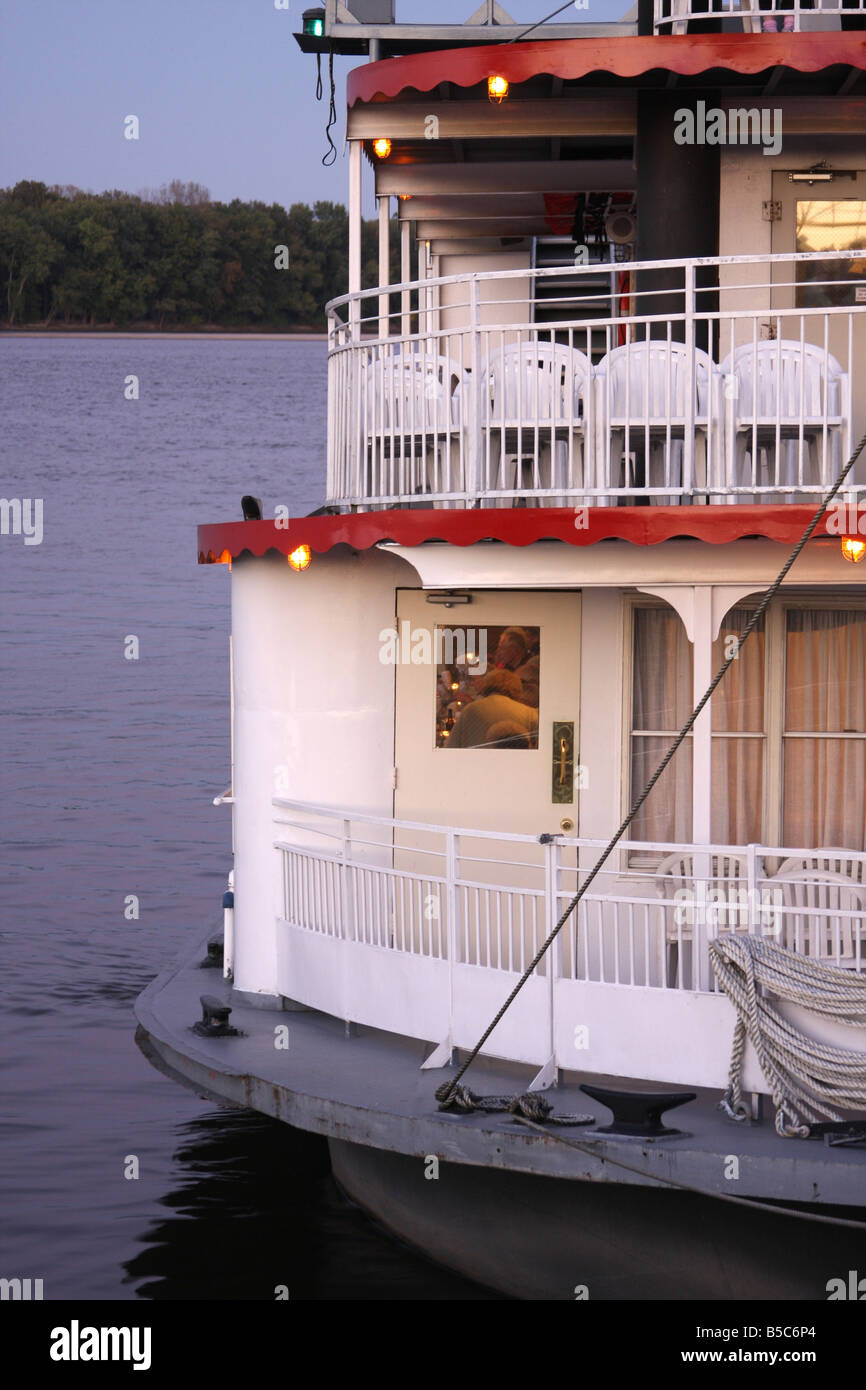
(109, 766)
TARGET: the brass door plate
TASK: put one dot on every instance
(562, 768)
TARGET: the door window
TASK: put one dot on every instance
(825, 224)
(487, 682)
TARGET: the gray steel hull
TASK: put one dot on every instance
(544, 1238)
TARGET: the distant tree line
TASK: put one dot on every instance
(171, 257)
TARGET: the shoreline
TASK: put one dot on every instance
(181, 335)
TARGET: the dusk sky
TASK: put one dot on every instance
(223, 94)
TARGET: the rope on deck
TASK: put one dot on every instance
(807, 1078)
(531, 1105)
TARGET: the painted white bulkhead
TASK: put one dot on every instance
(314, 715)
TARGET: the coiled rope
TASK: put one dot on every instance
(807, 1079)
(445, 1092)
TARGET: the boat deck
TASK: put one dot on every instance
(367, 1088)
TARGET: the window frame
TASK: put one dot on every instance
(775, 684)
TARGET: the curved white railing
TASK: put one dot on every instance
(727, 379)
(673, 16)
(423, 930)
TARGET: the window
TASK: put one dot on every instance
(487, 682)
(788, 728)
(738, 735)
(831, 225)
(825, 728)
(661, 704)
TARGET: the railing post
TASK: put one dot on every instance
(346, 896)
(549, 1075)
(334, 405)
(755, 907)
(384, 263)
(452, 851)
(405, 277)
(691, 383)
(472, 483)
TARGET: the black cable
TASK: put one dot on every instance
(541, 21)
(330, 154)
(445, 1091)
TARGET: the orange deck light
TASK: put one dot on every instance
(853, 550)
(300, 557)
(497, 87)
(382, 147)
(226, 558)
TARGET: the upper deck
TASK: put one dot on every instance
(382, 28)
(632, 268)
(464, 396)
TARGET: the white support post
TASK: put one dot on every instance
(475, 443)
(547, 1076)
(424, 255)
(442, 1054)
(384, 261)
(691, 379)
(702, 760)
(355, 155)
(405, 277)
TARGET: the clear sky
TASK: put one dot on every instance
(223, 94)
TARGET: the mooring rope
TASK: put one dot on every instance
(531, 1105)
(445, 1092)
(807, 1078)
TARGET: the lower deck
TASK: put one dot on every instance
(367, 1088)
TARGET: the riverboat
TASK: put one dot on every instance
(573, 438)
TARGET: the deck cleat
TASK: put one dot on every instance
(214, 957)
(214, 1022)
(637, 1114)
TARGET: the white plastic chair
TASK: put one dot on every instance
(727, 875)
(817, 930)
(786, 395)
(829, 860)
(413, 433)
(533, 398)
(642, 398)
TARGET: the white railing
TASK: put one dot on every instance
(423, 930)
(673, 16)
(675, 389)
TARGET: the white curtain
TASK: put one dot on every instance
(662, 702)
(825, 692)
(738, 763)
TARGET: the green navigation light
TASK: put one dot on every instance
(314, 23)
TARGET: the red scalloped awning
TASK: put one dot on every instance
(717, 525)
(570, 59)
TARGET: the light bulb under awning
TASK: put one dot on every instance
(853, 549)
(300, 557)
(497, 87)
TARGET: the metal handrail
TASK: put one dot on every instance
(586, 270)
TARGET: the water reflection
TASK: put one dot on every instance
(256, 1207)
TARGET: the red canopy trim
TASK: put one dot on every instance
(570, 59)
(716, 525)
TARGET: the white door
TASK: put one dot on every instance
(828, 216)
(487, 738)
(494, 768)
